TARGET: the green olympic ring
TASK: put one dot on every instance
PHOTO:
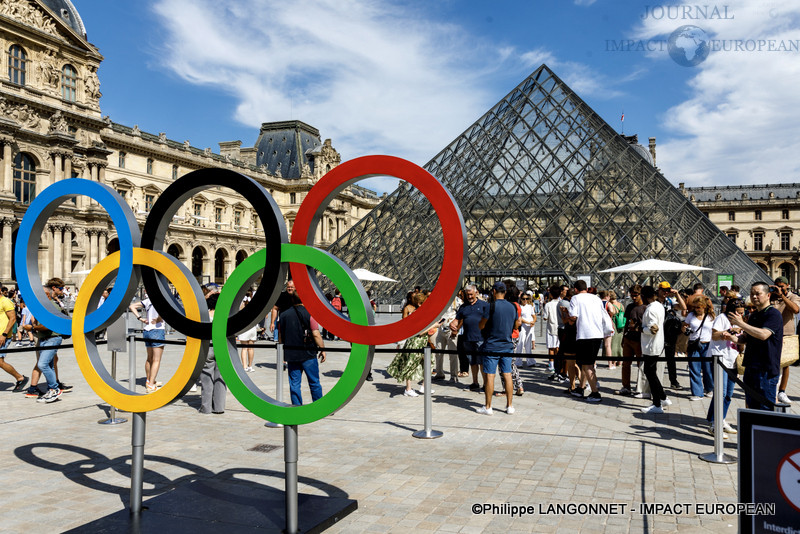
(239, 382)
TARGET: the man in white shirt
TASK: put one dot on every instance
(653, 347)
(586, 312)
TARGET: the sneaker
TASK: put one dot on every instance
(625, 392)
(474, 387)
(52, 395)
(782, 397)
(510, 410)
(728, 428)
(410, 393)
(676, 386)
(438, 378)
(369, 377)
(666, 402)
(563, 378)
(709, 393)
(642, 396)
(422, 390)
(711, 431)
(483, 410)
(652, 409)
(695, 398)
(64, 388)
(33, 392)
(594, 397)
(20, 385)
(577, 392)
(553, 376)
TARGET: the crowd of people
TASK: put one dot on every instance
(491, 333)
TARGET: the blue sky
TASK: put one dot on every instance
(405, 78)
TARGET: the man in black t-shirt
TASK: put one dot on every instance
(284, 303)
(292, 327)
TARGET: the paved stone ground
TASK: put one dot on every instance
(60, 469)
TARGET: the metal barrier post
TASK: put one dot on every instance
(427, 433)
(132, 362)
(290, 461)
(113, 419)
(718, 456)
(137, 461)
(278, 381)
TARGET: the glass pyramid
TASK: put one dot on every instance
(549, 192)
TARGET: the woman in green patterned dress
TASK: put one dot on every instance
(408, 365)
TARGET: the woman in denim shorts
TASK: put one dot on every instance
(154, 334)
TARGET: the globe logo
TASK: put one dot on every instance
(688, 46)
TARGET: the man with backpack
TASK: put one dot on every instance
(673, 303)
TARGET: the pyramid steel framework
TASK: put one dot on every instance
(549, 191)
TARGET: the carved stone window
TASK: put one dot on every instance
(174, 172)
(785, 215)
(292, 198)
(785, 240)
(17, 63)
(758, 241)
(121, 160)
(69, 83)
(758, 215)
(149, 165)
(149, 200)
(731, 215)
(732, 236)
(24, 178)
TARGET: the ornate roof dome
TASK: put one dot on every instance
(67, 12)
(642, 151)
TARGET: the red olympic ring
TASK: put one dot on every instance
(453, 263)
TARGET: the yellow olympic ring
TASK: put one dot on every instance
(92, 368)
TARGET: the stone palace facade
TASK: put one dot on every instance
(52, 128)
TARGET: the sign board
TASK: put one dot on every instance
(724, 280)
(116, 333)
(769, 470)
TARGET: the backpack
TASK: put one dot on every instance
(672, 327)
(619, 318)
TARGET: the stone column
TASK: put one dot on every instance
(58, 161)
(58, 258)
(101, 177)
(8, 168)
(48, 270)
(90, 248)
(67, 166)
(67, 269)
(102, 244)
(5, 266)
(52, 177)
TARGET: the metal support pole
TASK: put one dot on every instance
(113, 419)
(290, 459)
(278, 381)
(718, 456)
(137, 461)
(427, 433)
(132, 362)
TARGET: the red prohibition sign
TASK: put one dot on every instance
(453, 263)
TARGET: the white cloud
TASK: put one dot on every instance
(375, 77)
(370, 75)
(739, 123)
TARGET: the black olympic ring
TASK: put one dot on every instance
(155, 229)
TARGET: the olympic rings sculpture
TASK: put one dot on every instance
(141, 259)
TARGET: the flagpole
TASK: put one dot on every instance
(622, 121)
